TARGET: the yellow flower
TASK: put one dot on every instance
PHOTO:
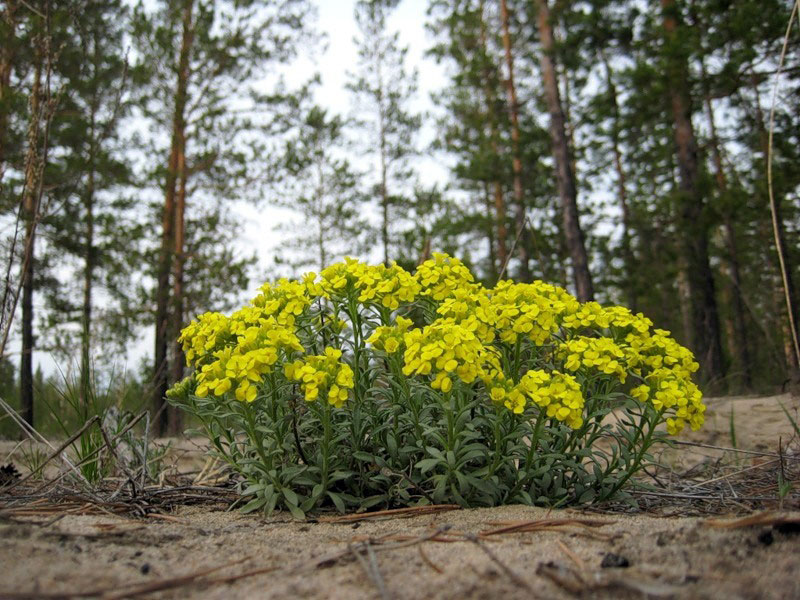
(441, 275)
(322, 374)
(445, 347)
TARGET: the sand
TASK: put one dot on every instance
(673, 557)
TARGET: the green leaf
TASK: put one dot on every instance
(371, 501)
(254, 504)
(297, 513)
(426, 464)
(316, 492)
(434, 452)
(339, 475)
(291, 497)
(337, 500)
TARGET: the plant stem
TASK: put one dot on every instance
(639, 456)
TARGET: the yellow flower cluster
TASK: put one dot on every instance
(286, 300)
(442, 274)
(444, 348)
(682, 396)
(376, 284)
(244, 365)
(386, 286)
(320, 374)
(236, 352)
(390, 338)
(558, 393)
(503, 389)
(602, 354)
(621, 317)
(590, 314)
(471, 302)
(658, 351)
(665, 390)
(530, 310)
(210, 332)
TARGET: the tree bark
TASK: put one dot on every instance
(738, 345)
(516, 160)
(30, 208)
(565, 176)
(493, 272)
(384, 168)
(700, 280)
(89, 264)
(628, 258)
(491, 101)
(166, 256)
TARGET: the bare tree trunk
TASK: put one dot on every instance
(567, 191)
(684, 300)
(175, 415)
(33, 170)
(493, 271)
(384, 168)
(166, 257)
(705, 320)
(499, 200)
(318, 199)
(516, 160)
(622, 191)
(738, 344)
(88, 269)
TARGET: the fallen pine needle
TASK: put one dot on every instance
(493, 557)
(764, 518)
(428, 561)
(571, 555)
(525, 526)
(391, 513)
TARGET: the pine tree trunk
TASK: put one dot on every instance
(573, 235)
(177, 361)
(88, 270)
(166, 256)
(30, 208)
(384, 169)
(516, 160)
(628, 258)
(738, 344)
(684, 300)
(493, 272)
(491, 118)
(700, 280)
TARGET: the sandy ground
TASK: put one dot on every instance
(257, 557)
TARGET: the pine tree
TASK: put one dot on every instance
(563, 154)
(94, 227)
(216, 51)
(317, 182)
(384, 90)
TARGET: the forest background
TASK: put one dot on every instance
(617, 148)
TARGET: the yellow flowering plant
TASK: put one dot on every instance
(369, 386)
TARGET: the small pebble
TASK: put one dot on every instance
(765, 537)
(612, 560)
